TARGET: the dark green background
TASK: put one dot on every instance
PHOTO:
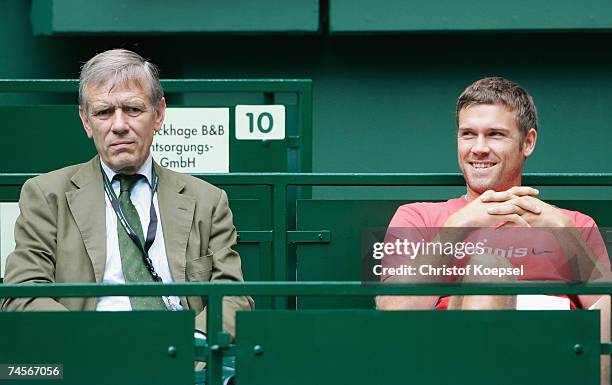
(383, 102)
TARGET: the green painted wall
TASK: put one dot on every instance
(358, 16)
(382, 103)
(50, 17)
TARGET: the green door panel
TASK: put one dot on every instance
(419, 347)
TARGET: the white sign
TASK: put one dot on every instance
(259, 122)
(8, 215)
(193, 140)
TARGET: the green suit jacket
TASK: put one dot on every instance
(60, 236)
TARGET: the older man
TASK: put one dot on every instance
(121, 218)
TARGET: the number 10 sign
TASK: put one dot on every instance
(259, 122)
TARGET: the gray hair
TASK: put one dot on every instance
(120, 66)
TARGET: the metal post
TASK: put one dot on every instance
(279, 224)
(214, 324)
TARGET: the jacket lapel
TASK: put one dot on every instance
(176, 211)
(89, 211)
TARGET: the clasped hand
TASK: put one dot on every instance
(517, 206)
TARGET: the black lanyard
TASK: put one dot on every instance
(121, 217)
(151, 231)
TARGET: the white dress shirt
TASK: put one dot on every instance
(113, 272)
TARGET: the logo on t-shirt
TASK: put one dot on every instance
(510, 252)
(540, 252)
(514, 252)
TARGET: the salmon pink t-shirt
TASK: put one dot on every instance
(536, 250)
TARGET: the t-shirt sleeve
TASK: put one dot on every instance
(592, 236)
(408, 215)
(409, 224)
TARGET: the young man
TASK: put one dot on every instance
(496, 133)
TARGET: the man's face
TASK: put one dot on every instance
(121, 121)
(490, 152)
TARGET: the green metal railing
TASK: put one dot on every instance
(10, 185)
(219, 342)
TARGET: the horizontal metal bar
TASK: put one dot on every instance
(238, 85)
(370, 179)
(301, 236)
(169, 85)
(300, 288)
(397, 179)
(255, 236)
(14, 179)
(39, 85)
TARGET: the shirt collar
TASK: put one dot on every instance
(144, 170)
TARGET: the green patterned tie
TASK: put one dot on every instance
(134, 269)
